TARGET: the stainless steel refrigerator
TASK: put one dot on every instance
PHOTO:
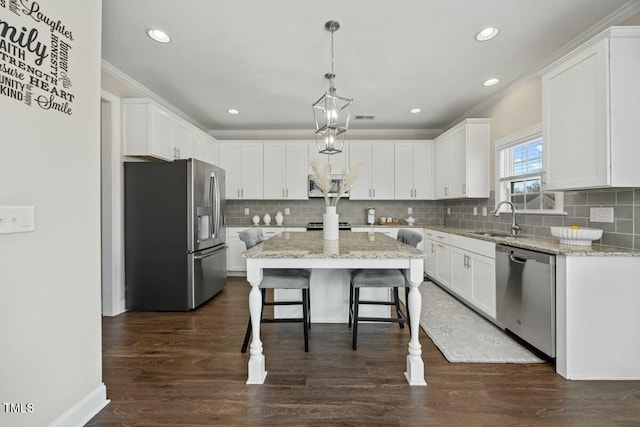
(175, 251)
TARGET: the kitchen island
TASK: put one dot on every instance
(351, 251)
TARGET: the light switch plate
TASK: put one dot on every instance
(448, 211)
(17, 219)
(475, 210)
(246, 211)
(484, 211)
(601, 215)
(287, 211)
(410, 211)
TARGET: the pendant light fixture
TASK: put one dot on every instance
(331, 112)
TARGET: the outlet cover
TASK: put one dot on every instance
(448, 211)
(475, 210)
(287, 211)
(601, 215)
(17, 219)
(246, 211)
(410, 211)
(484, 211)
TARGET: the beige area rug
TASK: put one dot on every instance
(464, 336)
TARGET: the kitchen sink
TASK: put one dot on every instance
(494, 234)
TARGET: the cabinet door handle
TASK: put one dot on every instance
(446, 190)
(464, 188)
(287, 193)
(432, 248)
(238, 192)
(283, 192)
(374, 192)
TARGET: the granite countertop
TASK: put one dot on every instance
(540, 244)
(310, 244)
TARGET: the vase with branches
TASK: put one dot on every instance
(323, 181)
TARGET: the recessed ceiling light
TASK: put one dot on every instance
(491, 82)
(158, 35)
(487, 34)
(415, 110)
(233, 111)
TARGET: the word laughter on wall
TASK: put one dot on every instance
(35, 57)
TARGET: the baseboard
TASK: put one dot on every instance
(84, 410)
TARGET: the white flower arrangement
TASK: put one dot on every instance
(323, 181)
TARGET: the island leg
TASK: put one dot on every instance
(256, 368)
(415, 365)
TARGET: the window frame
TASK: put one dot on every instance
(501, 194)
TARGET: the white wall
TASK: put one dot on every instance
(518, 109)
(50, 325)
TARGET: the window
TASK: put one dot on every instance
(520, 172)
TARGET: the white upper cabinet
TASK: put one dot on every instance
(414, 171)
(462, 160)
(376, 181)
(204, 148)
(147, 130)
(285, 170)
(333, 163)
(150, 130)
(243, 163)
(591, 111)
(183, 137)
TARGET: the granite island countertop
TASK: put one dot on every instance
(537, 243)
(310, 244)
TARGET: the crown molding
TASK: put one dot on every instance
(147, 93)
(626, 11)
(352, 134)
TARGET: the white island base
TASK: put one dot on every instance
(356, 250)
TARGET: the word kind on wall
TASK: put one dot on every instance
(35, 57)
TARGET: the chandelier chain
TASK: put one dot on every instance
(332, 72)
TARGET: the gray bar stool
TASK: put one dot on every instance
(381, 278)
(279, 279)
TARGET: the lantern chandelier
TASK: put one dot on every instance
(331, 112)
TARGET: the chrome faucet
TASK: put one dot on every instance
(514, 227)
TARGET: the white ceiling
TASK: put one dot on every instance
(268, 58)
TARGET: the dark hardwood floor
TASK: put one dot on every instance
(186, 369)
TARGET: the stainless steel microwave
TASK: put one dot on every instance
(336, 181)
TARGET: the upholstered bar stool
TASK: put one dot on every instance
(279, 279)
(380, 278)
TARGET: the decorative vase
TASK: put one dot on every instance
(267, 219)
(330, 223)
(279, 218)
(255, 220)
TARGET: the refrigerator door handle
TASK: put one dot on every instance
(210, 253)
(212, 183)
(218, 214)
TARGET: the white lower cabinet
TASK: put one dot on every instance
(473, 272)
(437, 267)
(464, 266)
(235, 247)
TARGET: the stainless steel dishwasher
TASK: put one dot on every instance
(525, 295)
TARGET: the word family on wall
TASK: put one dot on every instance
(35, 57)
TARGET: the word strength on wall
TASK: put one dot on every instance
(35, 57)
